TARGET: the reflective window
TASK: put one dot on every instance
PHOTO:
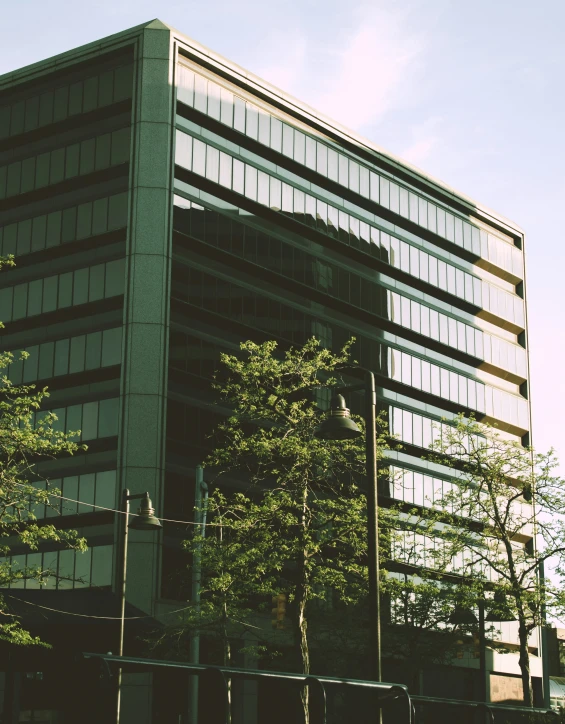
(193, 219)
(108, 418)
(404, 256)
(65, 163)
(47, 295)
(360, 179)
(89, 425)
(93, 419)
(66, 569)
(76, 362)
(85, 352)
(67, 100)
(229, 299)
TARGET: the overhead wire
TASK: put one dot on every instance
(117, 618)
(85, 615)
(122, 512)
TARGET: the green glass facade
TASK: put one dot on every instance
(64, 160)
(163, 206)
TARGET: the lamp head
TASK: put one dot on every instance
(501, 611)
(338, 424)
(461, 616)
(145, 518)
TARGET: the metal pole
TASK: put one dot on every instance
(543, 635)
(122, 592)
(482, 651)
(373, 527)
(200, 497)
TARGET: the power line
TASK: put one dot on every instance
(85, 615)
(117, 618)
(121, 512)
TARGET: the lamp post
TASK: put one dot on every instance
(500, 613)
(338, 425)
(144, 520)
(200, 501)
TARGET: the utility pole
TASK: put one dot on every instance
(200, 501)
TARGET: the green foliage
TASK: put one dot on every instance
(303, 520)
(492, 533)
(422, 635)
(293, 521)
(297, 525)
(26, 438)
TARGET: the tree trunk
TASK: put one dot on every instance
(302, 590)
(304, 653)
(226, 651)
(226, 647)
(524, 662)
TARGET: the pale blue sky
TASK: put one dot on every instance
(471, 92)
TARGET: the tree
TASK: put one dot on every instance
(300, 526)
(27, 437)
(421, 588)
(231, 572)
(500, 521)
(422, 601)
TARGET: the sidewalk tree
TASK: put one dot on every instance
(299, 525)
(501, 520)
(421, 634)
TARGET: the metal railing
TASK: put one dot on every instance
(491, 713)
(393, 699)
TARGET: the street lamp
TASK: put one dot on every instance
(338, 425)
(144, 520)
(500, 613)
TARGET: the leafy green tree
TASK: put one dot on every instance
(223, 556)
(422, 600)
(27, 437)
(500, 521)
(299, 525)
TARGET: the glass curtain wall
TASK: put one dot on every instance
(283, 232)
(64, 164)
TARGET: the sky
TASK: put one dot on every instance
(472, 93)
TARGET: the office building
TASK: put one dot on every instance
(164, 205)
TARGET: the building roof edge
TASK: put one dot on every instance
(20, 75)
(252, 81)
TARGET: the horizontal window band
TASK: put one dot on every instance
(279, 219)
(367, 155)
(82, 123)
(80, 520)
(20, 88)
(65, 314)
(102, 389)
(319, 237)
(68, 382)
(329, 301)
(333, 217)
(181, 310)
(205, 213)
(97, 322)
(335, 188)
(51, 257)
(47, 192)
(62, 263)
(62, 202)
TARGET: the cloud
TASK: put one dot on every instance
(419, 151)
(364, 80)
(287, 75)
(425, 137)
(357, 84)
